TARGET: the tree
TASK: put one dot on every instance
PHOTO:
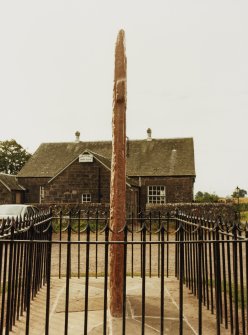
(240, 194)
(206, 197)
(12, 156)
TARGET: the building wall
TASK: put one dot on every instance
(6, 196)
(68, 187)
(93, 178)
(32, 186)
(77, 179)
(178, 189)
(132, 200)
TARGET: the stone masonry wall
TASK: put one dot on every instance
(78, 178)
(93, 178)
(206, 210)
(32, 186)
(65, 207)
(178, 189)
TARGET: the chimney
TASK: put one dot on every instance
(77, 134)
(149, 134)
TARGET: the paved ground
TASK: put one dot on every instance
(95, 316)
(97, 253)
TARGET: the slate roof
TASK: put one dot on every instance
(159, 157)
(10, 182)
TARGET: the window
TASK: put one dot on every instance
(86, 197)
(156, 194)
(42, 193)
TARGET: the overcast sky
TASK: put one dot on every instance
(187, 76)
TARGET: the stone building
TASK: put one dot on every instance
(158, 171)
(11, 192)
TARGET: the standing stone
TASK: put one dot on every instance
(118, 178)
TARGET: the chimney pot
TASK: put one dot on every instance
(77, 134)
(149, 134)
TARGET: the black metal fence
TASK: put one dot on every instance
(24, 266)
(209, 257)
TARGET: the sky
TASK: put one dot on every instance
(187, 67)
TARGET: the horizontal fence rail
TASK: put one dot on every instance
(208, 257)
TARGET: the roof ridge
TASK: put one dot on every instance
(161, 139)
(130, 140)
(80, 142)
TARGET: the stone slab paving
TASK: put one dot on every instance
(133, 317)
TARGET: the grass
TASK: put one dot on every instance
(75, 224)
(6, 288)
(154, 226)
(233, 291)
(244, 216)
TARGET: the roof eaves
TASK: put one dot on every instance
(107, 167)
(86, 150)
(99, 160)
(9, 189)
(131, 185)
(62, 170)
(23, 188)
(95, 153)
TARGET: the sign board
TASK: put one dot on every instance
(86, 158)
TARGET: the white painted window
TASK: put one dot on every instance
(156, 194)
(86, 197)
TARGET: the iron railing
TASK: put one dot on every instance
(24, 266)
(209, 257)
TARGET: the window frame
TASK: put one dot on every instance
(87, 198)
(42, 193)
(155, 195)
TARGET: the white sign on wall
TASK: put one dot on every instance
(85, 158)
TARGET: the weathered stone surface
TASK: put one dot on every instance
(118, 177)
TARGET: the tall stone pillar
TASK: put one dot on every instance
(118, 178)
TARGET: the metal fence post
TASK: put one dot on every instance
(162, 233)
(235, 276)
(181, 274)
(217, 279)
(106, 254)
(200, 254)
(9, 295)
(68, 273)
(48, 273)
(143, 276)
(4, 279)
(86, 295)
(29, 276)
(124, 281)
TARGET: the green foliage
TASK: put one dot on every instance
(244, 216)
(243, 207)
(12, 157)
(94, 225)
(206, 197)
(232, 289)
(240, 194)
